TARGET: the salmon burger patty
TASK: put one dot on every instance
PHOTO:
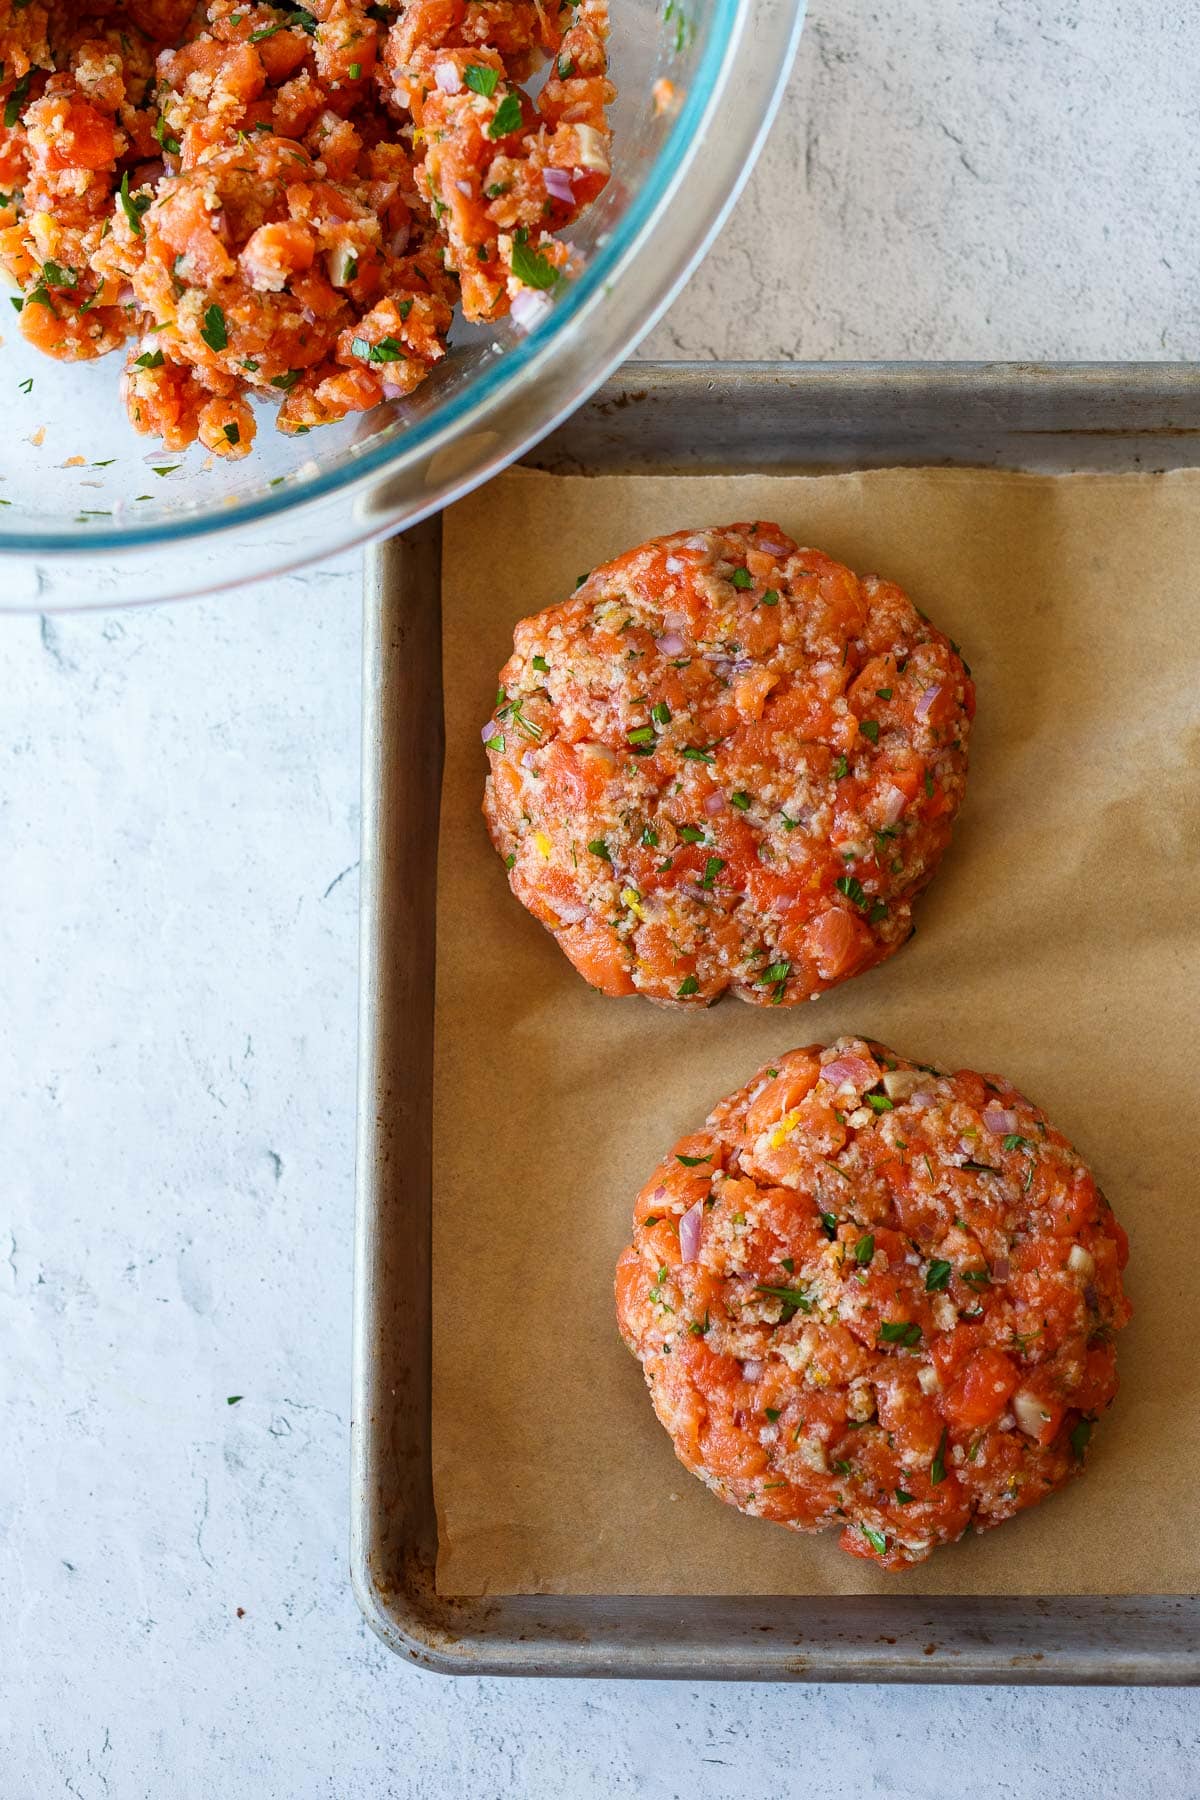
(873, 1296)
(726, 762)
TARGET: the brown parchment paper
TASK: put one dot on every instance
(1058, 944)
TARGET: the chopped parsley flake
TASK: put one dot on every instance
(794, 1297)
(214, 330)
(900, 1331)
(937, 1468)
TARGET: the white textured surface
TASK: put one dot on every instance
(178, 827)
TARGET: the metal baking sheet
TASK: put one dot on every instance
(741, 417)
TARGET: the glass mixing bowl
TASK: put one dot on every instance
(91, 514)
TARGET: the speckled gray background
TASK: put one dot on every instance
(178, 829)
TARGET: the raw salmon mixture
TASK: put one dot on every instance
(288, 202)
(876, 1297)
(727, 762)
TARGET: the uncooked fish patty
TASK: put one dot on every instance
(872, 1296)
(726, 762)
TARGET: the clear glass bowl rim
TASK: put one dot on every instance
(731, 20)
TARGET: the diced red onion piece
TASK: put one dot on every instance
(675, 565)
(558, 185)
(675, 621)
(464, 187)
(848, 1068)
(489, 730)
(399, 240)
(926, 701)
(670, 643)
(771, 547)
(528, 306)
(689, 1232)
(894, 802)
(572, 913)
(394, 390)
(527, 759)
(447, 77)
(923, 1099)
(659, 1191)
(714, 804)
(1000, 1119)
(1001, 1269)
(752, 1370)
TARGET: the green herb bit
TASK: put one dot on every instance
(541, 665)
(1014, 1141)
(979, 1168)
(795, 1297)
(1080, 1438)
(878, 913)
(876, 1539)
(234, 1399)
(903, 1498)
(852, 887)
(712, 868)
(772, 1413)
(864, 1250)
(649, 837)
(481, 80)
(937, 1468)
(830, 1223)
(869, 729)
(883, 693)
(900, 1331)
(770, 597)
(740, 799)
(214, 330)
(879, 1103)
(937, 1276)
(660, 712)
(697, 753)
(742, 578)
(689, 985)
(692, 1162)
(599, 848)
(691, 834)
(507, 117)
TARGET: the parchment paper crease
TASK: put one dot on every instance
(1058, 944)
